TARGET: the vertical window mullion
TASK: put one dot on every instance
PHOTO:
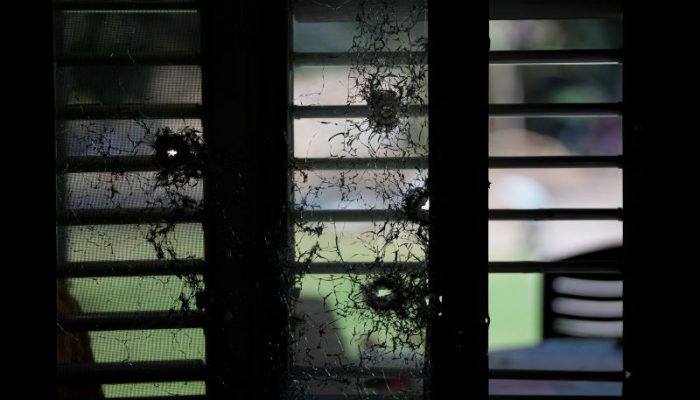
(459, 98)
(244, 89)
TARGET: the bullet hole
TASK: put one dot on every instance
(179, 155)
(384, 106)
(416, 204)
(385, 295)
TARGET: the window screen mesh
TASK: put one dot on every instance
(127, 80)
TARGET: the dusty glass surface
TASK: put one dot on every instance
(360, 193)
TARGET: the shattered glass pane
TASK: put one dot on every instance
(360, 194)
(133, 242)
(325, 138)
(137, 293)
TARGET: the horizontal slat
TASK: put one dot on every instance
(130, 372)
(556, 267)
(495, 110)
(128, 111)
(146, 163)
(125, 60)
(586, 318)
(545, 214)
(347, 59)
(495, 267)
(100, 164)
(362, 163)
(406, 396)
(348, 396)
(609, 297)
(556, 57)
(128, 268)
(355, 267)
(126, 5)
(549, 375)
(347, 215)
(354, 371)
(557, 375)
(116, 321)
(556, 110)
(178, 397)
(556, 214)
(344, 111)
(554, 9)
(602, 56)
(126, 216)
(556, 162)
(552, 397)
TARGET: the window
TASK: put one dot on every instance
(360, 147)
(245, 208)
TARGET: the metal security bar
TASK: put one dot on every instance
(557, 110)
(130, 372)
(495, 110)
(554, 9)
(126, 5)
(578, 57)
(545, 214)
(146, 163)
(567, 267)
(549, 375)
(333, 10)
(125, 60)
(126, 216)
(524, 57)
(116, 321)
(556, 162)
(556, 214)
(99, 163)
(552, 397)
(183, 397)
(127, 111)
(492, 397)
(97, 269)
